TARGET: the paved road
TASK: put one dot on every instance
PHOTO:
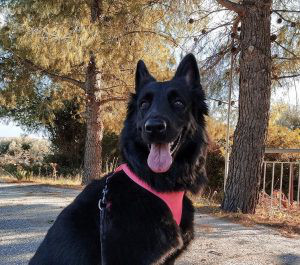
(27, 211)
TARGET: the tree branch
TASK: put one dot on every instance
(113, 99)
(217, 58)
(286, 11)
(287, 50)
(238, 8)
(52, 75)
(169, 38)
(287, 76)
(209, 30)
(282, 17)
(286, 58)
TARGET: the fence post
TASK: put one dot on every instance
(272, 184)
(298, 187)
(265, 172)
(290, 198)
(281, 176)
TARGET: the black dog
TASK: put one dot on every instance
(163, 142)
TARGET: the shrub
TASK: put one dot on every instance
(110, 149)
(4, 145)
(215, 164)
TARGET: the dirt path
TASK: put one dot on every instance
(28, 210)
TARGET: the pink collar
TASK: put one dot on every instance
(172, 199)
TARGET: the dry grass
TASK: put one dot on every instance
(286, 221)
(7, 179)
(66, 182)
(60, 182)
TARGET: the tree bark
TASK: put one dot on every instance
(94, 132)
(242, 187)
(94, 127)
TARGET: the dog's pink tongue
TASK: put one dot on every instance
(160, 159)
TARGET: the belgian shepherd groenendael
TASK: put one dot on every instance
(163, 143)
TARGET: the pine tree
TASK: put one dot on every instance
(86, 46)
(255, 80)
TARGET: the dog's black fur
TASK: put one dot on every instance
(140, 229)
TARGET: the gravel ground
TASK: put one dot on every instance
(28, 210)
(226, 243)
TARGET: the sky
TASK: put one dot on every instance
(12, 130)
(290, 95)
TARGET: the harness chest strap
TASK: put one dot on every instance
(172, 199)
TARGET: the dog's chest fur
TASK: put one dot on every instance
(143, 224)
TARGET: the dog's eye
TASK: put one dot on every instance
(144, 105)
(178, 104)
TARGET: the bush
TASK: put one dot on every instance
(25, 146)
(110, 148)
(4, 145)
(18, 171)
(215, 163)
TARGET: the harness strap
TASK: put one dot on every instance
(102, 206)
(172, 199)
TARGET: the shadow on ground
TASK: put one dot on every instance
(26, 214)
(289, 259)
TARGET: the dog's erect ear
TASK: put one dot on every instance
(188, 69)
(142, 75)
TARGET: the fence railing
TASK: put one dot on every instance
(281, 182)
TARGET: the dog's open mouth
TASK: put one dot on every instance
(160, 156)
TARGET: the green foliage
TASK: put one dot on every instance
(67, 133)
(59, 37)
(44, 45)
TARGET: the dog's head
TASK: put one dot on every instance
(164, 134)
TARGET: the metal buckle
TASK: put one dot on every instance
(103, 201)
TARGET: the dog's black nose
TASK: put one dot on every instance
(155, 126)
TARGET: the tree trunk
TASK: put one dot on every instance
(242, 187)
(94, 132)
(94, 126)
